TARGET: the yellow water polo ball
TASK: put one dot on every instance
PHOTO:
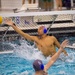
(1, 19)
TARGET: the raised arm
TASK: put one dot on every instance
(58, 45)
(56, 55)
(25, 35)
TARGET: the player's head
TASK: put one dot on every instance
(38, 65)
(42, 30)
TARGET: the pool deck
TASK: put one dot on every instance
(71, 46)
(6, 52)
(23, 13)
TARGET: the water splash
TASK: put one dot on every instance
(27, 51)
(31, 52)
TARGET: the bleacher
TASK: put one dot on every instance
(64, 23)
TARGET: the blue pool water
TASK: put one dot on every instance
(20, 62)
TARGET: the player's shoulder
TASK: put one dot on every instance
(52, 36)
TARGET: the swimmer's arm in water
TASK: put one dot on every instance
(58, 45)
(25, 35)
(56, 55)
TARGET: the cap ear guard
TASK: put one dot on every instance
(45, 30)
(42, 67)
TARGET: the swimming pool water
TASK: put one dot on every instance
(20, 62)
(12, 65)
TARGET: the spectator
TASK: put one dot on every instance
(59, 4)
(29, 1)
(47, 4)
